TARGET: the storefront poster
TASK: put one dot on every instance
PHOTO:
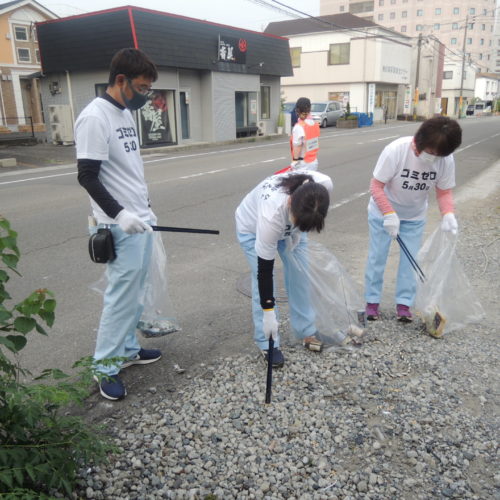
(155, 123)
(371, 97)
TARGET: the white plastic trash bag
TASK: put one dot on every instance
(334, 296)
(158, 317)
(445, 300)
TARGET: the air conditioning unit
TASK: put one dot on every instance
(61, 124)
(263, 128)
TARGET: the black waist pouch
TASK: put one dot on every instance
(101, 246)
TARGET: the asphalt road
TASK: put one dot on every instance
(196, 188)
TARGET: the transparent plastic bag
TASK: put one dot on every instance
(158, 318)
(445, 300)
(334, 296)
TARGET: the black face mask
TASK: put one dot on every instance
(137, 100)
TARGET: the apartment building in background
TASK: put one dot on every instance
(20, 102)
(462, 26)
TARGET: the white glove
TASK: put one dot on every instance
(391, 224)
(449, 223)
(131, 224)
(270, 324)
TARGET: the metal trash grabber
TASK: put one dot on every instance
(410, 257)
(269, 381)
(184, 230)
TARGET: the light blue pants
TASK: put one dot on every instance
(301, 313)
(116, 336)
(410, 231)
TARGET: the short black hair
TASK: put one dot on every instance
(131, 63)
(309, 201)
(303, 105)
(441, 133)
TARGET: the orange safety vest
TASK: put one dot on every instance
(311, 139)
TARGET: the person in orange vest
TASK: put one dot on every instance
(304, 141)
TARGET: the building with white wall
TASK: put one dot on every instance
(360, 63)
(487, 87)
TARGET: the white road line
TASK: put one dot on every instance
(355, 196)
(36, 178)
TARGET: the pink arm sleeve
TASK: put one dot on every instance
(445, 201)
(377, 191)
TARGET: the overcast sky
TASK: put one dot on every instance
(249, 14)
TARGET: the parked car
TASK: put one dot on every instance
(326, 113)
(479, 108)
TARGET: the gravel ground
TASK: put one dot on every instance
(403, 416)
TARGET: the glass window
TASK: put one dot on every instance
(37, 55)
(381, 3)
(453, 41)
(437, 26)
(456, 10)
(339, 53)
(485, 12)
(295, 55)
(481, 42)
(437, 11)
(420, 12)
(392, 15)
(356, 8)
(447, 75)
(246, 110)
(472, 10)
(23, 55)
(342, 8)
(404, 13)
(403, 29)
(419, 27)
(33, 33)
(469, 41)
(21, 33)
(483, 27)
(480, 56)
(265, 102)
(381, 17)
(393, 2)
(471, 26)
(454, 26)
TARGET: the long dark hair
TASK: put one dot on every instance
(309, 201)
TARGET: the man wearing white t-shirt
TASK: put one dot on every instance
(110, 168)
(273, 218)
(406, 171)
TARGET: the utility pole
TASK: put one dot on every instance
(415, 100)
(460, 101)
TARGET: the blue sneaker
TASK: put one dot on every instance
(278, 358)
(143, 357)
(111, 387)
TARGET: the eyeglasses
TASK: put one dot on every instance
(143, 89)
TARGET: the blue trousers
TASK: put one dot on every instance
(410, 231)
(301, 313)
(123, 298)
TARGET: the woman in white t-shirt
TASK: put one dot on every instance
(304, 142)
(273, 218)
(405, 172)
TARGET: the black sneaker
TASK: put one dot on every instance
(278, 358)
(111, 387)
(143, 357)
